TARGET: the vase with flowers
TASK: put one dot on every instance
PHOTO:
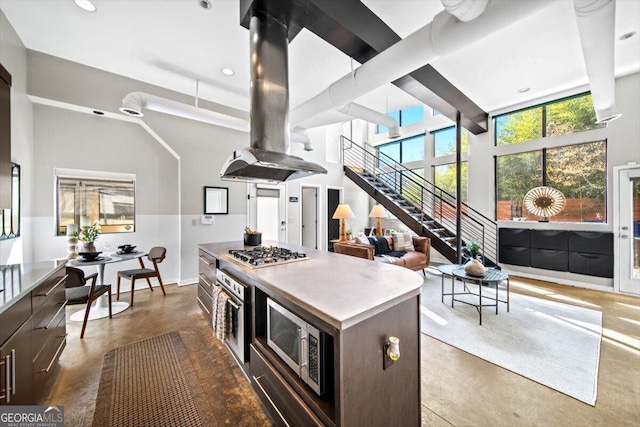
(87, 237)
(474, 267)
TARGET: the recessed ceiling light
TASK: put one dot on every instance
(205, 4)
(85, 5)
(627, 35)
(524, 89)
(227, 71)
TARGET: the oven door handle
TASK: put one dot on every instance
(233, 304)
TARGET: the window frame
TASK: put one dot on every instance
(544, 123)
(92, 176)
(401, 146)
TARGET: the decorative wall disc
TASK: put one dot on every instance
(544, 202)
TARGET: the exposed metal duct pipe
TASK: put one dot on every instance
(445, 35)
(360, 112)
(349, 112)
(134, 102)
(465, 10)
(596, 26)
(303, 139)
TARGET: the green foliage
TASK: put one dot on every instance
(88, 234)
(445, 178)
(518, 173)
(473, 247)
(521, 126)
(578, 171)
(248, 230)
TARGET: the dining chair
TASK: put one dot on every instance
(77, 292)
(156, 255)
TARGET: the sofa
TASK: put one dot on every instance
(414, 260)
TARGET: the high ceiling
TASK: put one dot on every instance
(173, 43)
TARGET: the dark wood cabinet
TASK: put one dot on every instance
(5, 138)
(206, 282)
(16, 373)
(581, 252)
(32, 330)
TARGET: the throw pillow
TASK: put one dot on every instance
(398, 242)
(408, 243)
(362, 239)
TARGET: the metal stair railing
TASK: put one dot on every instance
(433, 205)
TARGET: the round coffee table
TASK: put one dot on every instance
(493, 277)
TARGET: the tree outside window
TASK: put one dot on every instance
(578, 171)
(444, 141)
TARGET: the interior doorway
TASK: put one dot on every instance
(626, 227)
(267, 211)
(334, 198)
(310, 223)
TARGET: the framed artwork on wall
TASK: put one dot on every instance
(216, 200)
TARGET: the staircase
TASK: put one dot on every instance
(426, 209)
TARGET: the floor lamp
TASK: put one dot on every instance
(343, 211)
(378, 212)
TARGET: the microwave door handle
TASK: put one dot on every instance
(304, 355)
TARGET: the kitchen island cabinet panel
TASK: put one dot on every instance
(357, 305)
(399, 382)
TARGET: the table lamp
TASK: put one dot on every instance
(343, 211)
(378, 212)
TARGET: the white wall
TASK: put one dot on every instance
(13, 57)
(69, 139)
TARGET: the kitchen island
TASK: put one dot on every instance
(356, 305)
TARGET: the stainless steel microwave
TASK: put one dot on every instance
(299, 344)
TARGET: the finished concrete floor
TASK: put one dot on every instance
(458, 389)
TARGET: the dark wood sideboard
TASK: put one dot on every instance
(581, 252)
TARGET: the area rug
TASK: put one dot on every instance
(151, 383)
(554, 344)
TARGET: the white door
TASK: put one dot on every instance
(271, 212)
(309, 217)
(627, 232)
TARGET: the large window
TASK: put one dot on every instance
(108, 202)
(568, 115)
(412, 185)
(404, 117)
(402, 151)
(444, 141)
(578, 171)
(444, 177)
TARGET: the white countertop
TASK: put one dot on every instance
(339, 289)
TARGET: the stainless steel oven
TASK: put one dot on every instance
(237, 329)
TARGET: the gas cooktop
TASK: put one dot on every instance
(266, 256)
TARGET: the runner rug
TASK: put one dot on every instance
(554, 344)
(151, 383)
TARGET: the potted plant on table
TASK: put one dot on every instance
(87, 236)
(252, 237)
(474, 267)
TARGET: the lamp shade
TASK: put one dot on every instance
(343, 211)
(378, 211)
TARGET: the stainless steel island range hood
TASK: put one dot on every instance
(267, 159)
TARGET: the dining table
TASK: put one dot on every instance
(100, 308)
